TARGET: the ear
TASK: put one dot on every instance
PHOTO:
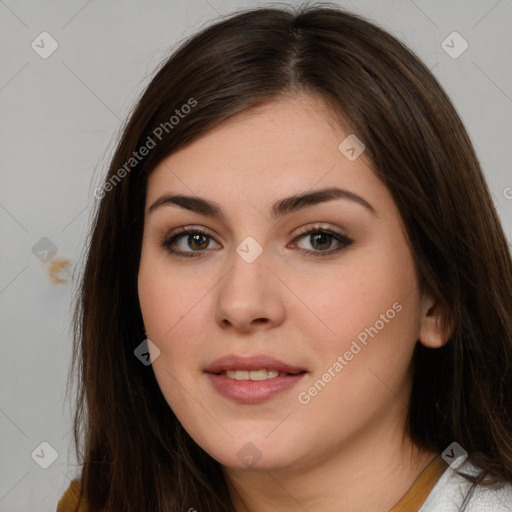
(432, 334)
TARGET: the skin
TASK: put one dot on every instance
(345, 449)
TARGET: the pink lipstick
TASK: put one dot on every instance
(252, 380)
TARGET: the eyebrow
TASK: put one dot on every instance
(280, 208)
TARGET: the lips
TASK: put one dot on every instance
(251, 380)
(252, 363)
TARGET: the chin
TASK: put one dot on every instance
(256, 453)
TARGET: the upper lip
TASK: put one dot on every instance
(257, 362)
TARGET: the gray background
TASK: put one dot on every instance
(59, 119)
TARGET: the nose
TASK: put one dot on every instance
(250, 296)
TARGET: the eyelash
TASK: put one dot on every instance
(342, 239)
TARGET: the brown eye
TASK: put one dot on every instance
(200, 241)
(321, 241)
(188, 242)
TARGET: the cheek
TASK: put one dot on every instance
(174, 308)
(162, 296)
(373, 313)
(375, 290)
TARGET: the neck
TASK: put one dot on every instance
(372, 472)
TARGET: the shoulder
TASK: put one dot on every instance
(497, 499)
(454, 493)
(69, 500)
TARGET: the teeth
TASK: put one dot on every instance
(253, 374)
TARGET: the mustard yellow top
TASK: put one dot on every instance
(421, 488)
(411, 502)
(69, 499)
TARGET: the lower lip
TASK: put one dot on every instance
(252, 391)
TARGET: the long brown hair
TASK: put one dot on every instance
(135, 454)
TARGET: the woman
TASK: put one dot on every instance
(297, 288)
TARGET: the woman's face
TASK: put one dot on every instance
(278, 346)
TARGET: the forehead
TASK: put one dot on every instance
(279, 148)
